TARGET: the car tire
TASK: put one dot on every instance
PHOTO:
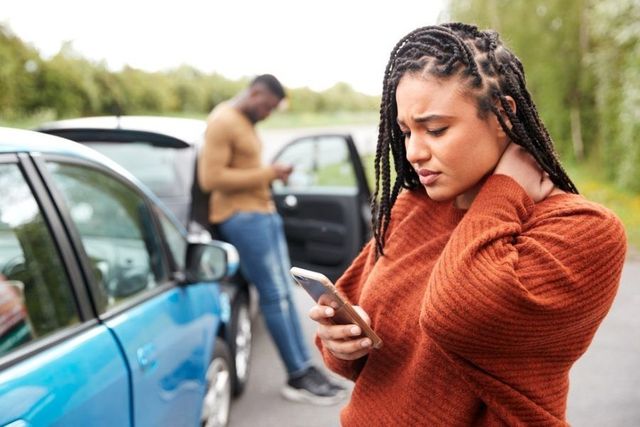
(240, 340)
(216, 406)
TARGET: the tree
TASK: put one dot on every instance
(69, 85)
(18, 65)
(615, 59)
(582, 59)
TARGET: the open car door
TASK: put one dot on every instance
(325, 203)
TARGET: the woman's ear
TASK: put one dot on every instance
(503, 113)
(502, 135)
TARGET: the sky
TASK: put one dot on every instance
(311, 44)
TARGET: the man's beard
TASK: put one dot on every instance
(252, 116)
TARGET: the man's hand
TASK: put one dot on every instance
(282, 171)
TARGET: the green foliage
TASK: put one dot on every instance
(626, 204)
(545, 36)
(615, 59)
(340, 97)
(18, 64)
(67, 85)
(293, 119)
(582, 60)
(146, 92)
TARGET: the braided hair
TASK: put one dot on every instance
(490, 72)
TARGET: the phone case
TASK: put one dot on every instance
(317, 285)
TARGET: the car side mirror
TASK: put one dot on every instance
(210, 261)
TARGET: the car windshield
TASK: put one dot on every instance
(167, 171)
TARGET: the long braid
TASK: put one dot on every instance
(381, 201)
(492, 73)
(528, 129)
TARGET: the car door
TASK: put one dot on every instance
(165, 331)
(58, 364)
(325, 203)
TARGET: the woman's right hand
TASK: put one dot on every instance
(342, 341)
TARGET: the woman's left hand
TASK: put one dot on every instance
(518, 164)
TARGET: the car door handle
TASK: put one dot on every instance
(291, 201)
(147, 357)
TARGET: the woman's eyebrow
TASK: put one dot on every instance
(430, 118)
(425, 119)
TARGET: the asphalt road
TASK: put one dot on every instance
(605, 382)
(261, 404)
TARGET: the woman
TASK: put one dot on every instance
(488, 274)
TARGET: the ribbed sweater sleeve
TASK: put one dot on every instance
(511, 299)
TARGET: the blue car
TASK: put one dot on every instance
(161, 152)
(110, 312)
(325, 205)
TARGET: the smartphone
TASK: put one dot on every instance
(320, 288)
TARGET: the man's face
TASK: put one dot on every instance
(261, 103)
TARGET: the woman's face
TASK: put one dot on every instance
(451, 149)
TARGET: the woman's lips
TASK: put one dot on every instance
(427, 177)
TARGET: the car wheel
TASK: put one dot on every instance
(241, 333)
(216, 406)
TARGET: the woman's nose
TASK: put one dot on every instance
(417, 149)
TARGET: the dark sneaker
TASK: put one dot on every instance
(309, 389)
(321, 377)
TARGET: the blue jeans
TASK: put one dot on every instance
(264, 261)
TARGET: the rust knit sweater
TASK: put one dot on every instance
(482, 313)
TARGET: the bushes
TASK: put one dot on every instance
(582, 59)
(69, 85)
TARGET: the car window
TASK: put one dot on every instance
(117, 232)
(167, 171)
(175, 240)
(321, 161)
(35, 292)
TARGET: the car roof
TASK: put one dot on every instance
(189, 131)
(27, 141)
(24, 141)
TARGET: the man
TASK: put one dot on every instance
(242, 209)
